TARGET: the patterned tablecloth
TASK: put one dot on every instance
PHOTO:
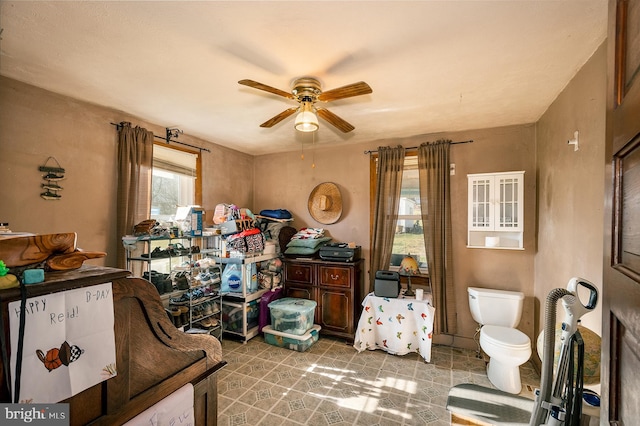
(396, 325)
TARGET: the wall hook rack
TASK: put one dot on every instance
(50, 169)
(53, 175)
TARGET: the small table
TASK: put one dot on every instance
(396, 325)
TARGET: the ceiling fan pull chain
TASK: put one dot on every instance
(313, 150)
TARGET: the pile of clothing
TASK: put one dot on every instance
(270, 274)
(272, 222)
(307, 242)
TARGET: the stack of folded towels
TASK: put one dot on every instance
(307, 242)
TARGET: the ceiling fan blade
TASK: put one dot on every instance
(266, 88)
(355, 89)
(278, 118)
(335, 120)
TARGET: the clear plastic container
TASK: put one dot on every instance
(292, 315)
(291, 341)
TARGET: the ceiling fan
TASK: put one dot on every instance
(307, 91)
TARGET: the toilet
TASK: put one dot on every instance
(498, 312)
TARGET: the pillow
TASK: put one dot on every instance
(284, 236)
(300, 250)
(310, 243)
(276, 214)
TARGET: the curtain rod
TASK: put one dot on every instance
(373, 151)
(170, 132)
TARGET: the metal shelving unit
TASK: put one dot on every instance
(240, 310)
(203, 301)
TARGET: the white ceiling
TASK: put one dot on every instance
(434, 66)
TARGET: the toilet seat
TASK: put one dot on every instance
(505, 337)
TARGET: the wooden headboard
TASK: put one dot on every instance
(154, 359)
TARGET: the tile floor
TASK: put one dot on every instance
(332, 384)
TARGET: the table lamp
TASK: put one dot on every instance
(408, 267)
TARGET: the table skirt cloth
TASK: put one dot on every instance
(396, 325)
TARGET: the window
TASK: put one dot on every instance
(409, 238)
(174, 181)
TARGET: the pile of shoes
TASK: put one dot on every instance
(197, 285)
(179, 315)
(204, 278)
(150, 228)
(144, 228)
(172, 250)
(183, 282)
(162, 282)
(188, 297)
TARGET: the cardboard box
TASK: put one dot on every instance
(192, 217)
(196, 223)
(235, 226)
(228, 227)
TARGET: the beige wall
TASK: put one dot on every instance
(285, 181)
(36, 124)
(571, 187)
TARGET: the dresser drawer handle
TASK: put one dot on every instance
(334, 277)
(298, 272)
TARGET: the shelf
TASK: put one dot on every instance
(496, 248)
(251, 333)
(237, 297)
(204, 317)
(184, 237)
(147, 259)
(215, 252)
(501, 240)
(176, 293)
(193, 310)
(197, 330)
(248, 259)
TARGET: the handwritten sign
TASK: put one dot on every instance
(69, 343)
(174, 410)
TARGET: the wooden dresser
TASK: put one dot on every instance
(337, 287)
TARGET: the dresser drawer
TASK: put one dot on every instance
(300, 273)
(335, 275)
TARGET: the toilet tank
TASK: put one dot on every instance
(495, 307)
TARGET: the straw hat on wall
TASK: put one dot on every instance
(325, 203)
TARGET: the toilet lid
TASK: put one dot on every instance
(505, 336)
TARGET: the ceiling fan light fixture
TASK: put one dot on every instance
(306, 120)
(306, 91)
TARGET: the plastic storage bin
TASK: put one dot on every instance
(240, 317)
(291, 341)
(291, 315)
